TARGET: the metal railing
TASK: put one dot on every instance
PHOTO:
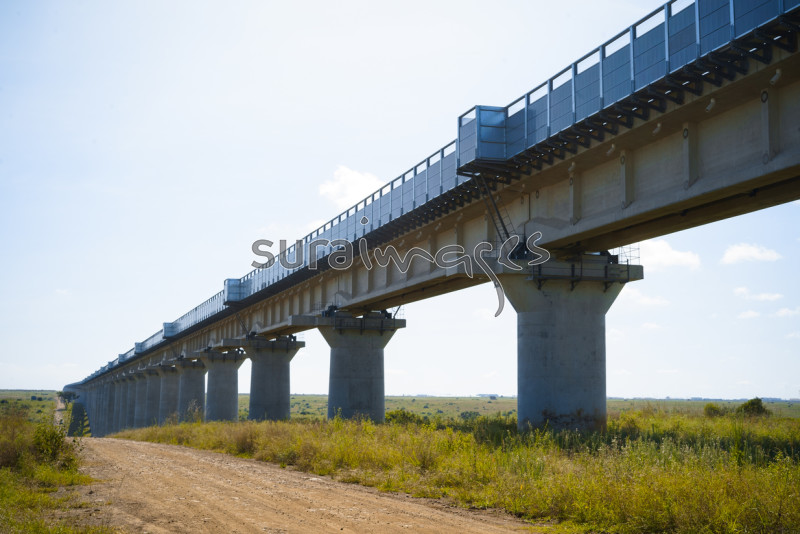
(660, 44)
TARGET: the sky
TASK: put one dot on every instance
(145, 145)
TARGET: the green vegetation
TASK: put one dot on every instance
(36, 459)
(659, 467)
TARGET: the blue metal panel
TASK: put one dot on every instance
(491, 133)
(467, 139)
(537, 121)
(420, 188)
(561, 107)
(449, 172)
(682, 39)
(385, 208)
(435, 179)
(349, 228)
(515, 133)
(789, 4)
(397, 201)
(750, 14)
(587, 92)
(617, 75)
(360, 228)
(715, 20)
(408, 195)
(648, 57)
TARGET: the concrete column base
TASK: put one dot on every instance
(269, 379)
(561, 348)
(130, 401)
(168, 401)
(120, 397)
(140, 407)
(356, 386)
(191, 389)
(153, 397)
(222, 402)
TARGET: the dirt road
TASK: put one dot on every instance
(147, 487)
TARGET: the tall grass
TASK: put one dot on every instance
(35, 460)
(649, 472)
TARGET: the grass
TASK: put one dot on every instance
(316, 406)
(36, 459)
(658, 468)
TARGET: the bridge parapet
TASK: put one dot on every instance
(676, 48)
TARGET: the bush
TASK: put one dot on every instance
(402, 417)
(713, 410)
(753, 407)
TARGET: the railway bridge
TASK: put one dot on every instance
(689, 116)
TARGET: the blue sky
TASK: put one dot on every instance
(145, 145)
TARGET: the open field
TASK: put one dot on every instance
(315, 406)
(662, 466)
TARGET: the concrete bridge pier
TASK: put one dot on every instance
(191, 387)
(120, 388)
(269, 378)
(108, 406)
(222, 401)
(356, 385)
(130, 402)
(168, 400)
(99, 408)
(91, 401)
(561, 346)
(140, 407)
(153, 396)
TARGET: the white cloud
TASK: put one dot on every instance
(348, 187)
(786, 312)
(793, 335)
(652, 326)
(748, 252)
(644, 300)
(668, 371)
(62, 292)
(749, 314)
(621, 372)
(658, 254)
(763, 297)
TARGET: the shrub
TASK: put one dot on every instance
(713, 410)
(402, 417)
(753, 407)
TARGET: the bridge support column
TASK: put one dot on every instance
(191, 389)
(561, 347)
(100, 408)
(168, 401)
(120, 393)
(108, 408)
(130, 401)
(222, 402)
(140, 407)
(91, 403)
(356, 386)
(153, 397)
(269, 377)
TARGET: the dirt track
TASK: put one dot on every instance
(146, 487)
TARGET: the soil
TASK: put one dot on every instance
(155, 488)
